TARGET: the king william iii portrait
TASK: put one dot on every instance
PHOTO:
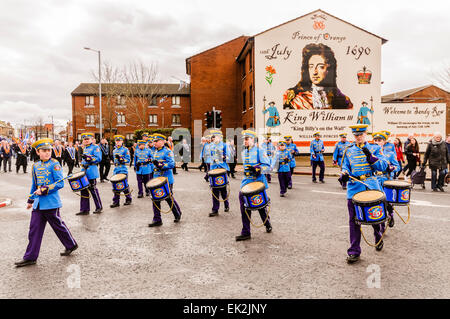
(317, 88)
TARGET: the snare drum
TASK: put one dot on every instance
(159, 188)
(119, 182)
(255, 196)
(397, 192)
(78, 181)
(218, 178)
(370, 207)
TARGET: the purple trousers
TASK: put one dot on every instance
(219, 192)
(245, 221)
(157, 207)
(39, 219)
(283, 179)
(84, 199)
(321, 165)
(142, 180)
(355, 231)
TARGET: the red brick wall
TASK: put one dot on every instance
(215, 81)
(247, 120)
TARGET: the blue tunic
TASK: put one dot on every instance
(165, 156)
(362, 115)
(218, 152)
(280, 162)
(269, 150)
(46, 173)
(355, 164)
(144, 157)
(339, 151)
(389, 147)
(391, 159)
(207, 153)
(274, 116)
(124, 153)
(317, 148)
(294, 151)
(94, 151)
(255, 156)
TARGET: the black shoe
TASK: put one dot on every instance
(435, 190)
(140, 196)
(82, 213)
(314, 181)
(147, 194)
(352, 259)
(24, 262)
(98, 211)
(441, 189)
(243, 237)
(177, 219)
(268, 229)
(106, 179)
(155, 224)
(344, 187)
(102, 181)
(290, 187)
(323, 182)
(391, 222)
(213, 214)
(282, 195)
(114, 205)
(227, 209)
(232, 176)
(67, 252)
(380, 246)
(127, 202)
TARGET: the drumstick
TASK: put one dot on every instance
(54, 183)
(355, 179)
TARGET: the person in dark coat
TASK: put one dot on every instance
(438, 157)
(22, 156)
(105, 164)
(70, 157)
(5, 154)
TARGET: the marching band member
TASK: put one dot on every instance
(121, 156)
(339, 152)
(21, 160)
(58, 151)
(388, 146)
(47, 180)
(360, 161)
(164, 161)
(392, 168)
(255, 162)
(281, 162)
(269, 150)
(317, 148)
(143, 166)
(294, 152)
(219, 157)
(91, 156)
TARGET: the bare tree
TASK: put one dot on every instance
(141, 83)
(441, 76)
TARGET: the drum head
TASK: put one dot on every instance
(217, 171)
(117, 177)
(370, 196)
(399, 184)
(156, 182)
(254, 187)
(77, 175)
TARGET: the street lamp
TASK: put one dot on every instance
(99, 87)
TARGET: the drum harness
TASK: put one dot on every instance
(52, 184)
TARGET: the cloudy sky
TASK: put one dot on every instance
(42, 57)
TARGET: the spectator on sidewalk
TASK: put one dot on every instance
(400, 158)
(412, 156)
(438, 155)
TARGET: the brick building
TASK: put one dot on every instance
(126, 108)
(6, 129)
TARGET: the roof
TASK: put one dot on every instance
(404, 94)
(166, 89)
(383, 40)
(242, 36)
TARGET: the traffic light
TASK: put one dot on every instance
(209, 119)
(218, 119)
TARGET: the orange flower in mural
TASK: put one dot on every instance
(270, 71)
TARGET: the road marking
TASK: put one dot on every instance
(432, 218)
(426, 203)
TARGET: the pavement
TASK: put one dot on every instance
(119, 256)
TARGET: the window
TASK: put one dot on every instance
(250, 63)
(89, 101)
(244, 101)
(176, 119)
(121, 99)
(129, 136)
(121, 119)
(90, 120)
(243, 69)
(153, 101)
(250, 97)
(153, 119)
(175, 100)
